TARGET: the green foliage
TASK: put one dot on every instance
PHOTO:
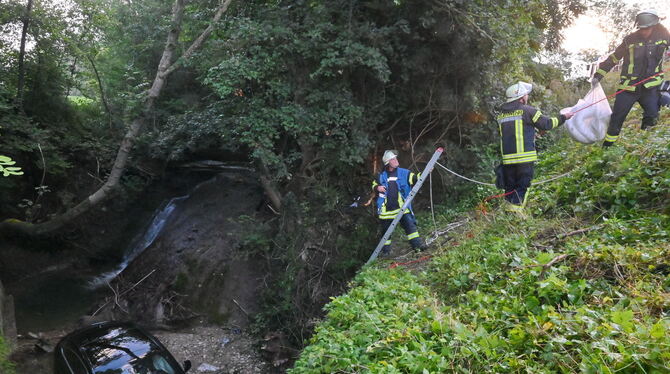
(372, 328)
(519, 296)
(305, 88)
(6, 366)
(629, 181)
(6, 167)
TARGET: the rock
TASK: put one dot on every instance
(207, 368)
(44, 346)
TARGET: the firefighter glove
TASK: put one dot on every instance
(594, 82)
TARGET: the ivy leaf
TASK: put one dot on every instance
(624, 319)
(657, 330)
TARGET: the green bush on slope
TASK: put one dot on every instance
(486, 303)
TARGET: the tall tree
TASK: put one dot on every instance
(166, 66)
(22, 56)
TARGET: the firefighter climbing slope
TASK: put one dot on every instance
(393, 185)
(642, 54)
(517, 124)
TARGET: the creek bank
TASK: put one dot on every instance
(48, 277)
(222, 350)
(195, 266)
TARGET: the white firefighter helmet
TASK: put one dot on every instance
(646, 18)
(388, 156)
(517, 91)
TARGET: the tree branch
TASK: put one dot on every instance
(197, 43)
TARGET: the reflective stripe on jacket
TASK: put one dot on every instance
(516, 126)
(406, 180)
(642, 58)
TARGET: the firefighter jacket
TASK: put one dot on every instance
(642, 58)
(404, 180)
(517, 125)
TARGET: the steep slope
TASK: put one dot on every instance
(581, 286)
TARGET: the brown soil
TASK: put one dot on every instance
(196, 266)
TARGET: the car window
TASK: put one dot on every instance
(127, 351)
(74, 362)
(162, 365)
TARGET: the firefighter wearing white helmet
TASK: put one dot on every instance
(517, 124)
(642, 54)
(518, 90)
(392, 187)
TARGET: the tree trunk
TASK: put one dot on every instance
(103, 97)
(268, 186)
(22, 56)
(165, 67)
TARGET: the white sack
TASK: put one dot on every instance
(589, 125)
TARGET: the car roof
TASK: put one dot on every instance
(90, 342)
(97, 330)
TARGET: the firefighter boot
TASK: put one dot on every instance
(516, 209)
(418, 245)
(386, 249)
(648, 123)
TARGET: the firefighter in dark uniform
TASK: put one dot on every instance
(517, 124)
(642, 53)
(393, 185)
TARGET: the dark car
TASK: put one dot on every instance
(114, 348)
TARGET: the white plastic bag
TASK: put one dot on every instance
(589, 125)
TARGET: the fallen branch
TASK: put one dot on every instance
(450, 227)
(122, 293)
(580, 231)
(242, 309)
(547, 265)
(116, 298)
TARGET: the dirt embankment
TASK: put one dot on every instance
(195, 267)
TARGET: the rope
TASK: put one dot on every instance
(497, 196)
(466, 178)
(620, 91)
(396, 264)
(553, 178)
(491, 184)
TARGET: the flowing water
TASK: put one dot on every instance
(140, 243)
(57, 298)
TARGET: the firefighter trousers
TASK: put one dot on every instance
(408, 223)
(517, 181)
(648, 99)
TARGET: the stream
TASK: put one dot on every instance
(58, 298)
